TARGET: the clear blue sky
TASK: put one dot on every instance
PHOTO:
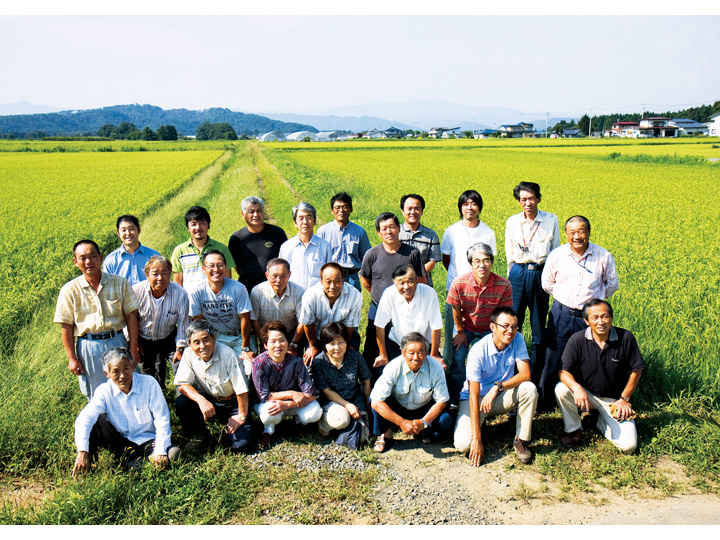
(304, 64)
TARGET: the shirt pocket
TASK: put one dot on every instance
(424, 392)
(351, 247)
(143, 416)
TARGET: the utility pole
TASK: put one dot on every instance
(546, 125)
(590, 128)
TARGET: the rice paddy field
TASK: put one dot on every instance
(649, 203)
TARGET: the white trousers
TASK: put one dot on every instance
(307, 415)
(622, 434)
(523, 397)
(334, 416)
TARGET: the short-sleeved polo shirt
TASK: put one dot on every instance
(187, 259)
(603, 372)
(93, 311)
(477, 303)
(316, 309)
(411, 390)
(426, 241)
(486, 365)
(221, 377)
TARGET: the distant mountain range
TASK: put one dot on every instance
(185, 121)
(340, 123)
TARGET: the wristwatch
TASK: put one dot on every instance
(246, 349)
(500, 386)
(625, 399)
(293, 345)
(242, 417)
(425, 424)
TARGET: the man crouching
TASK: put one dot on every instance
(137, 426)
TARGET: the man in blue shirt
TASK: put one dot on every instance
(130, 258)
(493, 388)
(348, 240)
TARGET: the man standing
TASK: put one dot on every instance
(416, 235)
(128, 415)
(94, 308)
(278, 299)
(225, 304)
(327, 302)
(187, 257)
(455, 243)
(348, 240)
(376, 275)
(493, 387)
(162, 319)
(473, 297)
(411, 394)
(574, 274)
(255, 244)
(530, 236)
(130, 258)
(601, 368)
(407, 306)
(305, 252)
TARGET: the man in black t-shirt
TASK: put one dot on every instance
(601, 368)
(376, 271)
(254, 245)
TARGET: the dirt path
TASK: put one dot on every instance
(432, 484)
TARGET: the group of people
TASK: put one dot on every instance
(282, 340)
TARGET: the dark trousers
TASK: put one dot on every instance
(528, 293)
(371, 351)
(439, 428)
(563, 322)
(104, 435)
(155, 356)
(193, 423)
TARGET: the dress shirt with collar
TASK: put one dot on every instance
(158, 317)
(486, 365)
(476, 303)
(139, 416)
(540, 237)
(456, 241)
(573, 282)
(426, 241)
(93, 312)
(269, 376)
(411, 390)
(316, 308)
(267, 306)
(129, 266)
(221, 377)
(305, 262)
(349, 244)
(421, 314)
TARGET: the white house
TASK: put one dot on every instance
(714, 125)
(657, 126)
(523, 129)
(374, 134)
(439, 132)
(688, 127)
(625, 129)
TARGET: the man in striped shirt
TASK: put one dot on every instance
(473, 297)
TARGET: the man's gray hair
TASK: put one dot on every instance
(479, 247)
(247, 201)
(157, 259)
(114, 356)
(201, 325)
(306, 207)
(413, 337)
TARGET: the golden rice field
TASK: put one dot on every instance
(654, 218)
(51, 200)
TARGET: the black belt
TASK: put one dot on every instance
(101, 335)
(571, 311)
(350, 271)
(533, 267)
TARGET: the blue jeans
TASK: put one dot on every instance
(456, 374)
(439, 428)
(354, 280)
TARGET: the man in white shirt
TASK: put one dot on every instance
(574, 274)
(530, 236)
(410, 307)
(326, 302)
(126, 412)
(305, 252)
(455, 242)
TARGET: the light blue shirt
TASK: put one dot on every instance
(411, 390)
(487, 365)
(305, 262)
(131, 267)
(221, 310)
(140, 415)
(349, 244)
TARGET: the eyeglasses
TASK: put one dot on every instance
(280, 277)
(483, 262)
(218, 266)
(339, 207)
(507, 327)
